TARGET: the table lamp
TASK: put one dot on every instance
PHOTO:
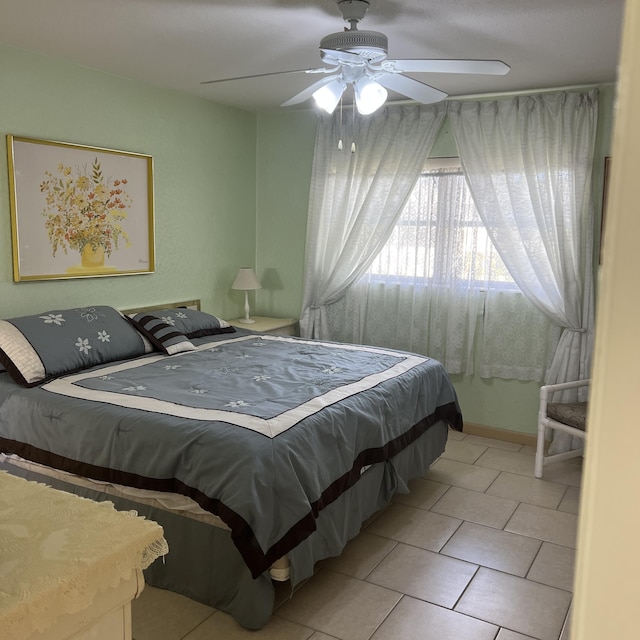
(246, 281)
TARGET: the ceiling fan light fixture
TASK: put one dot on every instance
(370, 95)
(328, 96)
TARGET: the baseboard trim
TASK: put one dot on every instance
(499, 434)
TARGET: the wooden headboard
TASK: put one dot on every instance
(189, 304)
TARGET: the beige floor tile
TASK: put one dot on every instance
(318, 635)
(460, 474)
(221, 626)
(463, 451)
(159, 614)
(493, 442)
(456, 435)
(416, 620)
(340, 606)
(570, 503)
(491, 548)
(544, 524)
(530, 490)
(519, 605)
(505, 634)
(360, 556)
(423, 574)
(566, 629)
(554, 565)
(568, 472)
(413, 526)
(475, 507)
(528, 448)
(512, 461)
(423, 493)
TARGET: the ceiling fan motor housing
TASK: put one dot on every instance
(368, 44)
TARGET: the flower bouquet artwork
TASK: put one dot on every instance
(79, 211)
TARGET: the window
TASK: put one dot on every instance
(440, 237)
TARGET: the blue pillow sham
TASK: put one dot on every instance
(42, 346)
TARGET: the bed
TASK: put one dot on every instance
(259, 454)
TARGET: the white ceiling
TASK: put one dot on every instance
(177, 44)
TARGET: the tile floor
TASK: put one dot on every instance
(479, 550)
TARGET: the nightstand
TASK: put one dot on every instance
(282, 326)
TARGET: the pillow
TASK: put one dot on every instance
(161, 334)
(38, 347)
(190, 322)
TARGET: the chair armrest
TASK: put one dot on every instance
(547, 389)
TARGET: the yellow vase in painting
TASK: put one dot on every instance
(92, 256)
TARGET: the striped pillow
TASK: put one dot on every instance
(161, 333)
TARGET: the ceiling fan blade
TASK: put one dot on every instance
(485, 67)
(263, 75)
(411, 88)
(305, 94)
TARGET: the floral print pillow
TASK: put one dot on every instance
(53, 343)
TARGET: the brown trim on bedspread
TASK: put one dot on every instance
(241, 532)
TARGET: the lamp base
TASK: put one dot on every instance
(246, 320)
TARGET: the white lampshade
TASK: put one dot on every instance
(246, 280)
(328, 96)
(370, 95)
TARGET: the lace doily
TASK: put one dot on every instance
(57, 551)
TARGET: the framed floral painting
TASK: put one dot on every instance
(79, 211)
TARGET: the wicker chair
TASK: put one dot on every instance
(569, 417)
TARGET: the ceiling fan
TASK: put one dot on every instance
(359, 59)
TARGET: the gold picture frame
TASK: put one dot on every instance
(79, 211)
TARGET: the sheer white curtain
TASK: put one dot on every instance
(528, 161)
(429, 289)
(355, 198)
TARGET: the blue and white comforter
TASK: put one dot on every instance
(262, 430)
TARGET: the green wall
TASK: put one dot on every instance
(284, 154)
(205, 181)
